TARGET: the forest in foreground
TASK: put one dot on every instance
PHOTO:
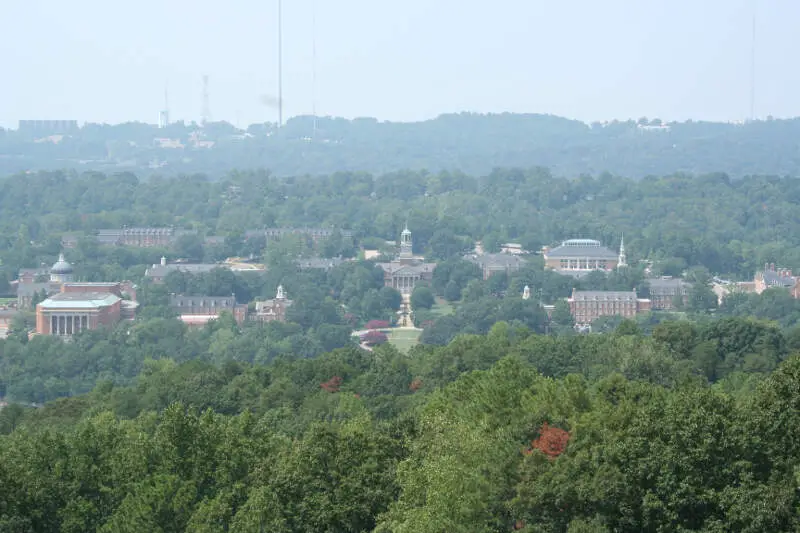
(687, 429)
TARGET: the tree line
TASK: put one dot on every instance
(689, 428)
(471, 143)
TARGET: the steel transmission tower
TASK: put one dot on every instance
(280, 64)
(206, 118)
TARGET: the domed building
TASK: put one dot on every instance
(61, 271)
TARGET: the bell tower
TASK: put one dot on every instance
(406, 245)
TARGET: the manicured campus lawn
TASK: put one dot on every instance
(404, 339)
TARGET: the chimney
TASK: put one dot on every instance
(766, 267)
(772, 267)
(163, 261)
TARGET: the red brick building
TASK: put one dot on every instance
(664, 292)
(273, 310)
(197, 311)
(586, 306)
(82, 306)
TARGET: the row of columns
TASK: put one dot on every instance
(404, 283)
(585, 264)
(68, 324)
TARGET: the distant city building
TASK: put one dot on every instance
(512, 248)
(42, 128)
(197, 311)
(36, 282)
(30, 275)
(406, 271)
(587, 306)
(241, 264)
(665, 290)
(578, 257)
(163, 119)
(724, 288)
(6, 319)
(774, 278)
(85, 306)
(157, 273)
(139, 237)
(316, 234)
(166, 143)
(320, 263)
(214, 240)
(496, 263)
(654, 127)
(273, 310)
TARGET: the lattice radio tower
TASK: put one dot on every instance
(206, 118)
(280, 64)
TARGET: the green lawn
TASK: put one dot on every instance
(6, 301)
(404, 339)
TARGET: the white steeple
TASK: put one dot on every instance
(526, 293)
(281, 294)
(623, 260)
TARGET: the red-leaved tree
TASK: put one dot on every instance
(416, 384)
(332, 385)
(552, 441)
(377, 324)
(373, 338)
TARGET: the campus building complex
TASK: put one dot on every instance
(587, 306)
(577, 257)
(85, 306)
(406, 271)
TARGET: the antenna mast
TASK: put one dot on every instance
(753, 67)
(206, 118)
(163, 117)
(280, 64)
(314, 65)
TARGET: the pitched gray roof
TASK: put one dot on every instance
(80, 300)
(604, 296)
(774, 279)
(180, 301)
(581, 248)
(277, 232)
(160, 271)
(29, 289)
(667, 286)
(415, 268)
(496, 260)
(320, 262)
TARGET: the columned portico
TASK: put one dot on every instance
(68, 324)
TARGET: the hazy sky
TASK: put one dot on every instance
(108, 61)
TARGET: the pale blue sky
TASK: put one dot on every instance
(108, 61)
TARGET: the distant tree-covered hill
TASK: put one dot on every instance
(472, 143)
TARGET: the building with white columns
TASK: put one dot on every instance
(578, 257)
(406, 270)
